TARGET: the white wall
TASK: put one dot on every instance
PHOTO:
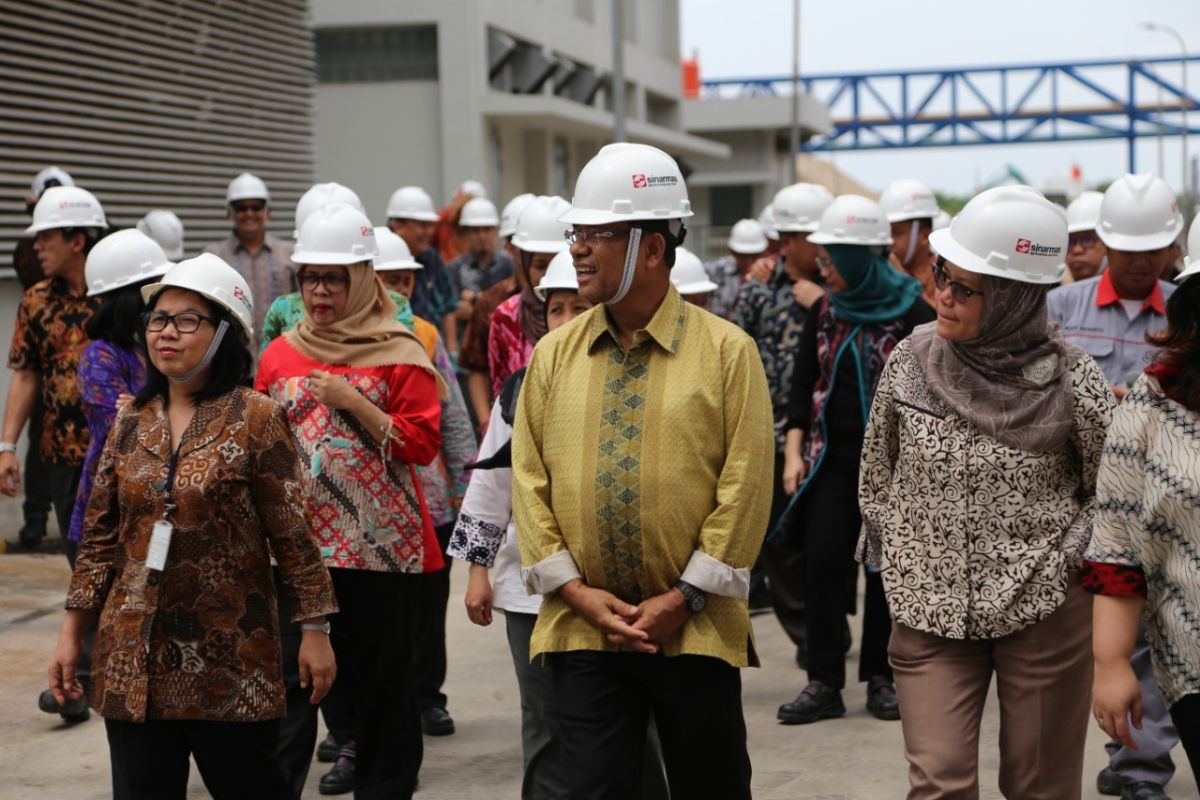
(377, 137)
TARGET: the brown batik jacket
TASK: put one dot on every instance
(200, 639)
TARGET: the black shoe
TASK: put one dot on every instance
(1143, 790)
(437, 722)
(1108, 782)
(340, 779)
(327, 750)
(816, 702)
(71, 711)
(881, 699)
(32, 533)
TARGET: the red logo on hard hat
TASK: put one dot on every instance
(639, 181)
(1023, 245)
(365, 231)
(850, 220)
(241, 295)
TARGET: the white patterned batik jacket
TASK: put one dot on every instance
(974, 539)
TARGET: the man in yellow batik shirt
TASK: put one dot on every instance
(642, 458)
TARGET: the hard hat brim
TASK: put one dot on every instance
(151, 290)
(807, 227)
(1191, 267)
(1080, 227)
(156, 272)
(908, 216)
(328, 259)
(590, 216)
(419, 216)
(746, 250)
(944, 245)
(541, 246)
(702, 287)
(543, 290)
(393, 265)
(828, 238)
(1137, 244)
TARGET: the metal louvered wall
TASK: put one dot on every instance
(156, 104)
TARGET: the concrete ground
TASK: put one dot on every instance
(855, 758)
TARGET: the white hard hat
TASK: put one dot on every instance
(512, 210)
(688, 275)
(1139, 212)
(906, 199)
(942, 220)
(1010, 232)
(123, 258)
(45, 176)
(209, 276)
(324, 194)
(165, 228)
(538, 229)
(479, 212)
(473, 188)
(628, 182)
(560, 276)
(1191, 264)
(336, 234)
(798, 208)
(748, 237)
(852, 219)
(1083, 213)
(766, 218)
(411, 202)
(393, 252)
(247, 187)
(67, 207)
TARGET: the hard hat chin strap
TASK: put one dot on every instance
(208, 356)
(912, 242)
(631, 253)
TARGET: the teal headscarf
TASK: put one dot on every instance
(877, 292)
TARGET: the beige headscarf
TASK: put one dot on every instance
(368, 335)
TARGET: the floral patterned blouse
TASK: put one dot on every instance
(105, 373)
(364, 500)
(200, 639)
(508, 349)
(974, 539)
(48, 339)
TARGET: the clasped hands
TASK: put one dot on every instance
(641, 628)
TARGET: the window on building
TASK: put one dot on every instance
(398, 53)
(731, 203)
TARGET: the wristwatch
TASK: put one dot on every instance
(696, 599)
(7, 447)
(316, 627)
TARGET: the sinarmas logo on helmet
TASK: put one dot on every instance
(241, 295)
(641, 181)
(1026, 246)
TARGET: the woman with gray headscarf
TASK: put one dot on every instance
(977, 492)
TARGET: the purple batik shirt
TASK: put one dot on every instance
(105, 373)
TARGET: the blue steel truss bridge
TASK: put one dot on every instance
(992, 105)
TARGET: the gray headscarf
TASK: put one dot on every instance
(1010, 381)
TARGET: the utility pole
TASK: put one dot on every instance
(618, 71)
(1188, 194)
(794, 139)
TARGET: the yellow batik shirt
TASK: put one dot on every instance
(634, 469)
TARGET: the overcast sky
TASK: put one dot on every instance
(753, 37)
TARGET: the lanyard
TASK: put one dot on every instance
(167, 485)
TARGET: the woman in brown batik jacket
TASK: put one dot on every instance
(197, 488)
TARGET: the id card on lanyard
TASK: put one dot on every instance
(160, 534)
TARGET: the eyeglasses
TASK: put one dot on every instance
(575, 236)
(1086, 241)
(960, 292)
(255, 206)
(184, 322)
(334, 282)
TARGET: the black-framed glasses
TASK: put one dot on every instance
(574, 236)
(334, 282)
(243, 206)
(1085, 240)
(941, 279)
(184, 321)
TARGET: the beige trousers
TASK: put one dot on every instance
(1044, 683)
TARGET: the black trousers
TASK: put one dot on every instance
(36, 505)
(783, 557)
(236, 759)
(602, 705)
(429, 630)
(62, 484)
(298, 728)
(372, 635)
(1186, 716)
(830, 523)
